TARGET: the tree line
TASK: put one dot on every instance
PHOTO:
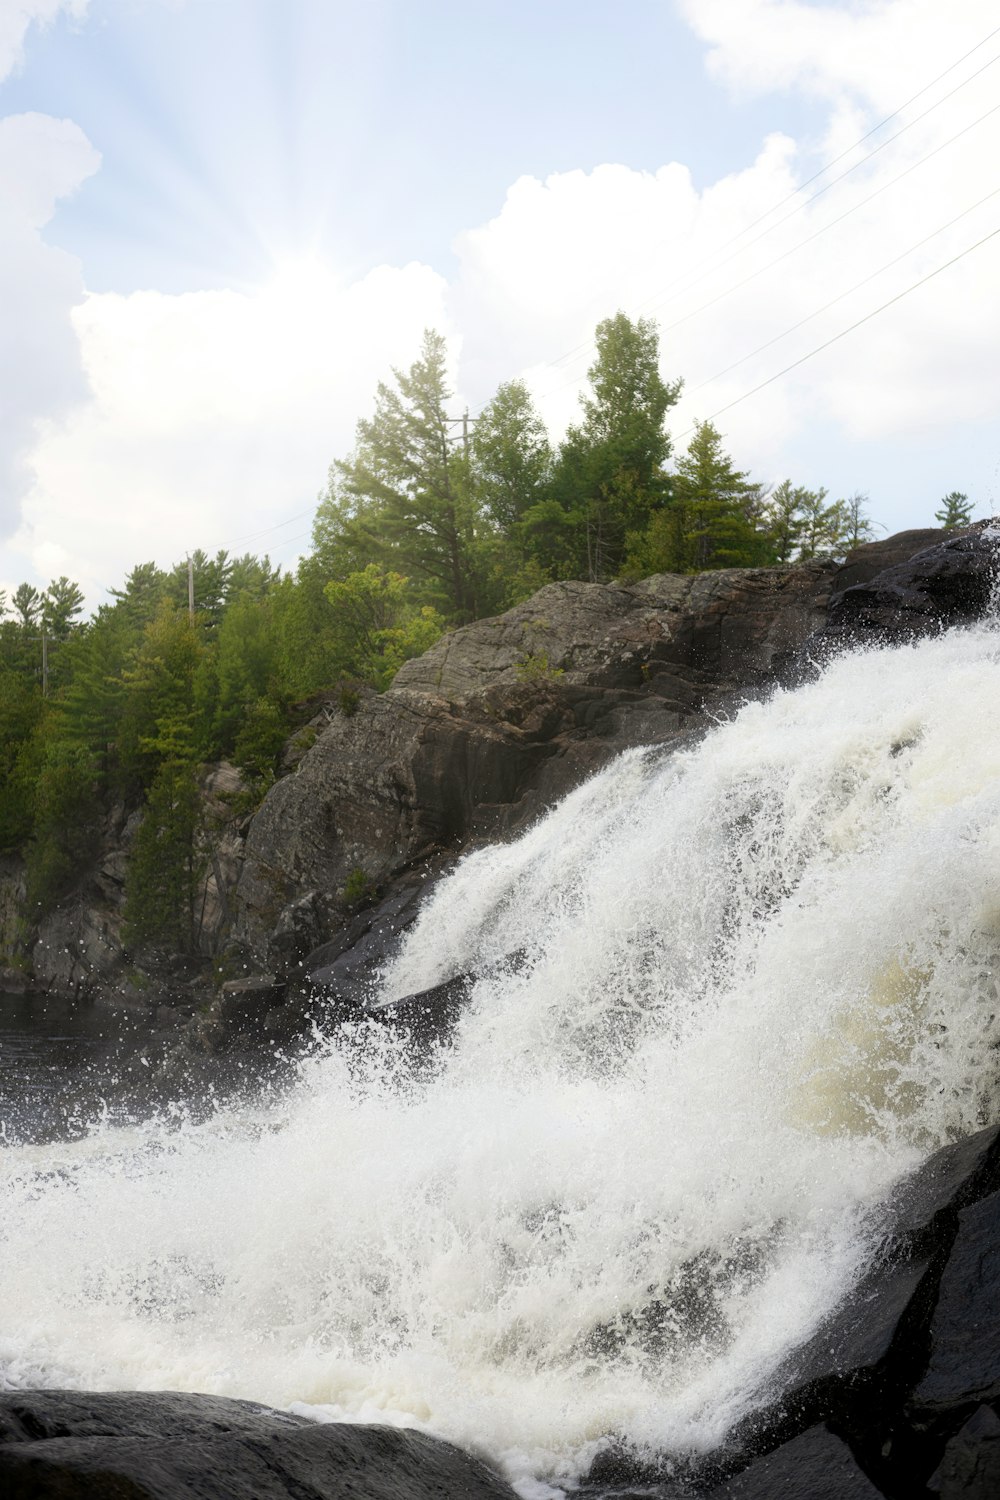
(422, 527)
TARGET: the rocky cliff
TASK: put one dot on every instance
(476, 738)
(500, 719)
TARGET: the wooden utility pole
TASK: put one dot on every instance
(191, 589)
(45, 662)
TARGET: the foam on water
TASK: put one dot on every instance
(731, 996)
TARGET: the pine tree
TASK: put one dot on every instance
(955, 510)
(404, 499)
(610, 470)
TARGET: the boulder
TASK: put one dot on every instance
(67, 1445)
(970, 1468)
(898, 1371)
(948, 583)
(964, 1362)
(815, 1466)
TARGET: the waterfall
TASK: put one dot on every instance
(725, 999)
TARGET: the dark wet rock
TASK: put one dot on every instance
(948, 583)
(899, 1368)
(815, 1466)
(59, 1445)
(430, 1015)
(346, 968)
(964, 1360)
(970, 1468)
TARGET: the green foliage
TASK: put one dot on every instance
(379, 625)
(955, 509)
(66, 822)
(258, 745)
(21, 710)
(536, 668)
(404, 501)
(512, 457)
(357, 888)
(162, 879)
(61, 603)
(710, 520)
(610, 474)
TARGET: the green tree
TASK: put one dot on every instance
(61, 603)
(512, 456)
(824, 528)
(158, 720)
(21, 709)
(856, 525)
(66, 822)
(404, 499)
(710, 521)
(380, 625)
(782, 520)
(164, 869)
(27, 602)
(610, 469)
(955, 509)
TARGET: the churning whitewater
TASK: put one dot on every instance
(726, 998)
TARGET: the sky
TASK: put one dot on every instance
(222, 222)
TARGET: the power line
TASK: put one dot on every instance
(845, 331)
(265, 530)
(653, 302)
(841, 295)
(793, 250)
(588, 344)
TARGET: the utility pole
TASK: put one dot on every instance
(465, 433)
(191, 589)
(45, 662)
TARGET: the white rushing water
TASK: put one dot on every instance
(752, 984)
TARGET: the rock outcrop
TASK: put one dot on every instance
(503, 717)
(897, 1395)
(131, 1445)
(473, 741)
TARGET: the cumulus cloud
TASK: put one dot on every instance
(208, 418)
(725, 277)
(41, 161)
(16, 16)
(212, 415)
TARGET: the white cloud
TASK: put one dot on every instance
(878, 52)
(213, 415)
(586, 244)
(41, 161)
(16, 16)
(209, 417)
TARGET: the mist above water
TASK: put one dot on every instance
(729, 997)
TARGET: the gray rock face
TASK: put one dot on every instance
(501, 718)
(66, 1445)
(498, 721)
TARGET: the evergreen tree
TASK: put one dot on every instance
(404, 500)
(857, 528)
(955, 509)
(710, 521)
(610, 468)
(65, 824)
(60, 605)
(512, 457)
(164, 869)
